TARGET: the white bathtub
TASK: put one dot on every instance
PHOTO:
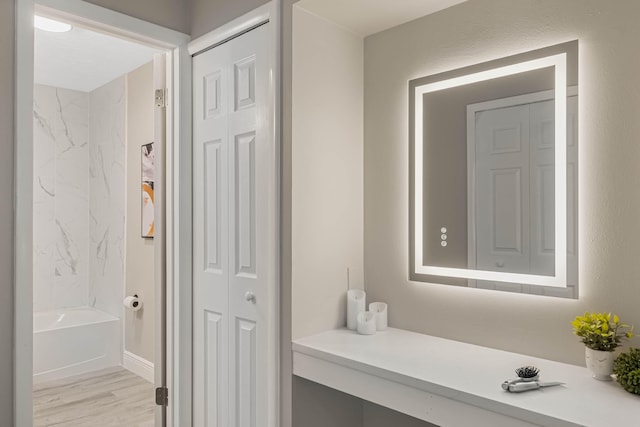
(74, 341)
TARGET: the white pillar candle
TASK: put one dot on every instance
(380, 310)
(355, 305)
(367, 323)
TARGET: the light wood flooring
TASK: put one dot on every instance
(112, 398)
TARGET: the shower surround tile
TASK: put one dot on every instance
(61, 198)
(79, 198)
(107, 134)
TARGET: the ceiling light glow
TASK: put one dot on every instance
(51, 25)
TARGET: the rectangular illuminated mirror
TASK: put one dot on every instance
(493, 175)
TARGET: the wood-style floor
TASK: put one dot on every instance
(112, 398)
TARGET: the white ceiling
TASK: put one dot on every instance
(366, 17)
(84, 60)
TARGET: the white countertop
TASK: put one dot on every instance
(471, 375)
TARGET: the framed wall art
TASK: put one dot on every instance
(148, 217)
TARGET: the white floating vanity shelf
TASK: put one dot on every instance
(449, 383)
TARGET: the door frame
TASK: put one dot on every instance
(178, 190)
(269, 12)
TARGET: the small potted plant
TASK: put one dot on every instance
(601, 333)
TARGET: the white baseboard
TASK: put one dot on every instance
(139, 366)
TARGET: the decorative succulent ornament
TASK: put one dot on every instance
(627, 370)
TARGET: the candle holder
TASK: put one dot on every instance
(367, 323)
(380, 309)
(356, 301)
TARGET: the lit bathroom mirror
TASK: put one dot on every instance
(493, 179)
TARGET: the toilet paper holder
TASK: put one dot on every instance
(133, 302)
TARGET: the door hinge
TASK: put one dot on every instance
(162, 396)
(161, 97)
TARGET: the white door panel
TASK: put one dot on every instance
(210, 240)
(502, 185)
(514, 179)
(233, 266)
(543, 231)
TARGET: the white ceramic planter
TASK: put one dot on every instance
(600, 363)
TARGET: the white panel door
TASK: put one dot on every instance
(540, 117)
(502, 188)
(543, 230)
(515, 174)
(234, 224)
(211, 239)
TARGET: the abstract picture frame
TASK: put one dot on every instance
(147, 220)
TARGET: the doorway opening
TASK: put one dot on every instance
(101, 106)
(93, 241)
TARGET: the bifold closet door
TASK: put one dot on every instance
(232, 171)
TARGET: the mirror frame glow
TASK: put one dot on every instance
(559, 280)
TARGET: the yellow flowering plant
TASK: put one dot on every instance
(600, 332)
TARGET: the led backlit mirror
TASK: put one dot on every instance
(493, 174)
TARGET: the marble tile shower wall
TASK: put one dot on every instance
(107, 133)
(61, 198)
(79, 197)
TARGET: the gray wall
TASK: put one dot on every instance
(207, 15)
(474, 32)
(320, 406)
(327, 172)
(326, 197)
(6, 211)
(139, 326)
(174, 14)
(378, 416)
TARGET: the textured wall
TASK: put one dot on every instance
(61, 198)
(326, 197)
(474, 32)
(327, 170)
